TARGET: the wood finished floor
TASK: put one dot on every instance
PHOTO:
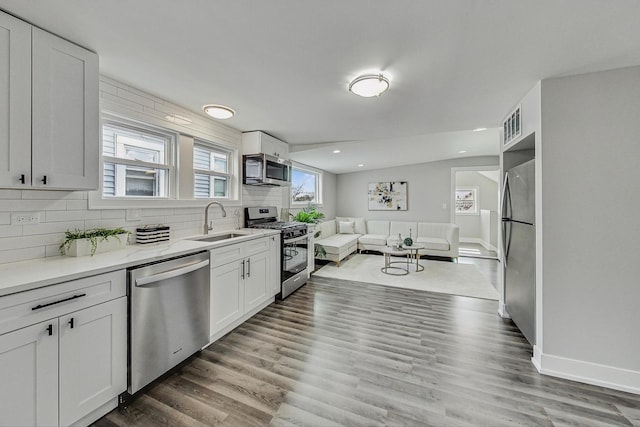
(348, 353)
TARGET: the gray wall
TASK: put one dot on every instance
(591, 235)
(488, 196)
(429, 187)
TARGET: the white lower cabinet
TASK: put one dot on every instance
(29, 372)
(60, 370)
(240, 283)
(93, 358)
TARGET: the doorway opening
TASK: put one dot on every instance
(475, 201)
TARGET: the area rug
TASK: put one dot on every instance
(438, 276)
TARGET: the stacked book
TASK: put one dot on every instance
(152, 234)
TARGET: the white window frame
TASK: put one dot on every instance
(476, 199)
(319, 178)
(215, 149)
(169, 155)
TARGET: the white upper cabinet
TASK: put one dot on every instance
(49, 113)
(15, 101)
(260, 142)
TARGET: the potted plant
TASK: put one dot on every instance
(90, 242)
(310, 214)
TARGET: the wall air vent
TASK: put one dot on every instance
(512, 126)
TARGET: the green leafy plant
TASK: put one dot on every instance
(94, 236)
(310, 215)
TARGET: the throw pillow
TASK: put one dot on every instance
(346, 227)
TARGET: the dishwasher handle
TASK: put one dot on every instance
(142, 281)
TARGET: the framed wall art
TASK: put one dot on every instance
(388, 196)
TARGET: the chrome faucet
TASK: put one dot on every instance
(207, 226)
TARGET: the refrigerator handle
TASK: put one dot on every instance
(505, 190)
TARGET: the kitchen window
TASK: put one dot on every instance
(211, 168)
(305, 186)
(137, 161)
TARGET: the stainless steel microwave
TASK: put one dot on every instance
(264, 169)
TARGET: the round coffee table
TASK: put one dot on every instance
(388, 268)
(413, 253)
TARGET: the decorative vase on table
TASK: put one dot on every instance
(408, 241)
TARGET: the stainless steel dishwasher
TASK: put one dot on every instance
(168, 315)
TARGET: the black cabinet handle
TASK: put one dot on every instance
(242, 274)
(22, 179)
(39, 306)
(248, 267)
(44, 180)
(50, 329)
(70, 322)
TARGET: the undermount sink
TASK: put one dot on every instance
(217, 237)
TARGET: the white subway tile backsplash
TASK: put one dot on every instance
(73, 205)
(5, 218)
(34, 205)
(35, 241)
(15, 255)
(9, 194)
(113, 214)
(10, 230)
(47, 228)
(58, 216)
(52, 195)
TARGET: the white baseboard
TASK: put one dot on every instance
(502, 310)
(479, 241)
(587, 372)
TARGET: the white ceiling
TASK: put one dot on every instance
(284, 65)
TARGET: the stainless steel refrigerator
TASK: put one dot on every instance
(519, 247)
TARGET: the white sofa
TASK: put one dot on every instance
(337, 245)
(342, 236)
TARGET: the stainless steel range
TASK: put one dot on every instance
(294, 247)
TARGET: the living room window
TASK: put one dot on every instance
(306, 186)
(211, 167)
(137, 161)
(467, 201)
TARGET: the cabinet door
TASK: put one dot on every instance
(65, 126)
(255, 280)
(15, 102)
(275, 264)
(93, 358)
(227, 295)
(29, 372)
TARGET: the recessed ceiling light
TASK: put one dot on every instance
(219, 111)
(479, 129)
(462, 151)
(336, 151)
(369, 85)
(360, 165)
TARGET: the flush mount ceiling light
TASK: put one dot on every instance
(369, 85)
(219, 111)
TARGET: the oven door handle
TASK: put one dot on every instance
(142, 281)
(295, 239)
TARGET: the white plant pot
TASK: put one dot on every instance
(82, 247)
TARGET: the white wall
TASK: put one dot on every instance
(429, 188)
(470, 225)
(591, 235)
(63, 210)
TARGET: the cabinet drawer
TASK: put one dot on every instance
(226, 254)
(256, 246)
(29, 307)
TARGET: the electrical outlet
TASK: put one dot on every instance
(25, 218)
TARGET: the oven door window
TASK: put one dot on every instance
(294, 256)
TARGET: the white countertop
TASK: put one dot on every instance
(32, 274)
